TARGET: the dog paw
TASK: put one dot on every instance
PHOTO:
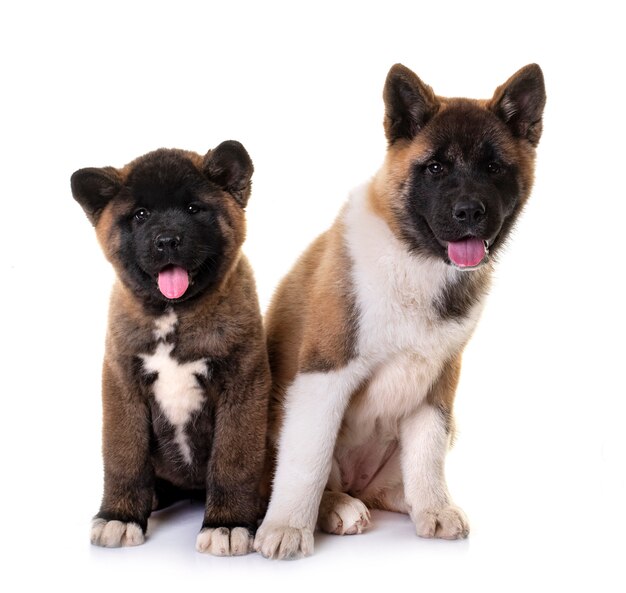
(221, 541)
(114, 534)
(447, 523)
(281, 542)
(342, 514)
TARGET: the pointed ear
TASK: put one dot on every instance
(409, 104)
(519, 102)
(229, 166)
(93, 188)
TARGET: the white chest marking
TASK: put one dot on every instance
(401, 333)
(176, 387)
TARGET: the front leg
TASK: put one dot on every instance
(425, 438)
(315, 406)
(128, 474)
(424, 442)
(236, 463)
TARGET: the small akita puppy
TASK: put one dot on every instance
(365, 334)
(185, 378)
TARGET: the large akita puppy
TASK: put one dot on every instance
(365, 334)
(185, 377)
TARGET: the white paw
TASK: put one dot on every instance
(221, 541)
(447, 523)
(342, 514)
(113, 534)
(281, 542)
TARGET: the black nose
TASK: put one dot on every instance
(165, 242)
(469, 212)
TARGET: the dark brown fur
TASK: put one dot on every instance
(221, 326)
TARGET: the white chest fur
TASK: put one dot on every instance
(176, 387)
(401, 346)
(401, 334)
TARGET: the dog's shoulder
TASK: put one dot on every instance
(311, 322)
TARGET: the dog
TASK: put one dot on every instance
(366, 332)
(186, 381)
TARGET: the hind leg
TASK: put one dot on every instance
(342, 514)
(390, 499)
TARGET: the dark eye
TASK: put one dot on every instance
(141, 214)
(435, 168)
(193, 209)
(494, 168)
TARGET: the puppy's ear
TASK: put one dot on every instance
(409, 104)
(229, 166)
(93, 189)
(519, 102)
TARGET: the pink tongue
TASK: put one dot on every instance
(466, 253)
(173, 282)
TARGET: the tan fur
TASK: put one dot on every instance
(105, 231)
(311, 320)
(368, 329)
(388, 182)
(296, 336)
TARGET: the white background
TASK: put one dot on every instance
(539, 462)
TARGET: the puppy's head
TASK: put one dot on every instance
(458, 171)
(171, 222)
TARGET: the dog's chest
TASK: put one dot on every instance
(397, 293)
(396, 300)
(175, 388)
(402, 337)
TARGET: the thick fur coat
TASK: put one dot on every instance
(366, 333)
(185, 376)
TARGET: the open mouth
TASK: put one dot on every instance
(173, 281)
(468, 253)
